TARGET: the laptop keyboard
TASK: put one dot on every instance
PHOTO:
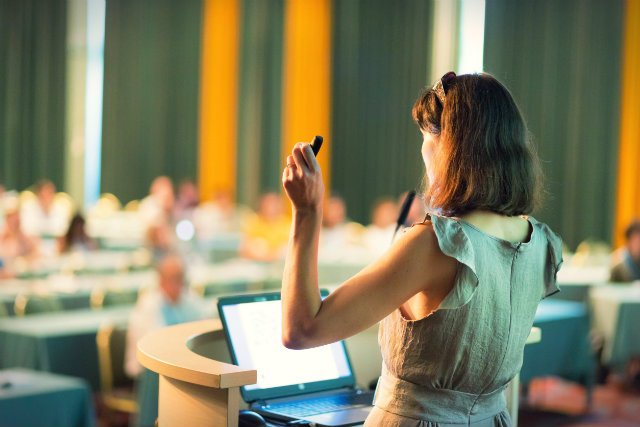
(301, 409)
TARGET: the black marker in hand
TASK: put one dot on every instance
(316, 144)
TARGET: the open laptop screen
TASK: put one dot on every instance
(253, 326)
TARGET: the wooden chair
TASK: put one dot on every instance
(101, 298)
(66, 202)
(132, 206)
(116, 389)
(36, 304)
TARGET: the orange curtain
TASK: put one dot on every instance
(307, 77)
(218, 97)
(628, 203)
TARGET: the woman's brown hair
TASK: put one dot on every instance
(483, 158)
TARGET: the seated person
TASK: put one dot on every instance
(5, 272)
(334, 221)
(76, 238)
(187, 200)
(267, 232)
(377, 237)
(159, 204)
(626, 260)
(338, 236)
(219, 215)
(14, 243)
(160, 239)
(169, 304)
(45, 217)
(417, 212)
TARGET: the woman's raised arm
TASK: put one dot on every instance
(412, 264)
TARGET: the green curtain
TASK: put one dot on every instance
(381, 52)
(562, 62)
(151, 93)
(32, 91)
(259, 99)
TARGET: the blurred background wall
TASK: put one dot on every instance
(219, 90)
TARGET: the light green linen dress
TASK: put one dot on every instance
(451, 367)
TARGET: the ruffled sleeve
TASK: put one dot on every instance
(554, 260)
(454, 242)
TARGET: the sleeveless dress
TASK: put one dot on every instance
(451, 367)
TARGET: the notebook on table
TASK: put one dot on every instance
(317, 385)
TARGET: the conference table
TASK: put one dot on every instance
(62, 343)
(616, 317)
(74, 291)
(29, 398)
(565, 349)
(84, 262)
(576, 281)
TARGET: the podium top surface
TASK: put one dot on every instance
(168, 352)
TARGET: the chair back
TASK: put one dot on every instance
(108, 203)
(36, 304)
(111, 341)
(101, 298)
(132, 206)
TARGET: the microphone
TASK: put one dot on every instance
(404, 211)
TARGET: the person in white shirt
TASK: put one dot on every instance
(169, 304)
(379, 233)
(219, 216)
(158, 205)
(340, 239)
(45, 216)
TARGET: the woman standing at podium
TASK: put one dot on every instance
(456, 294)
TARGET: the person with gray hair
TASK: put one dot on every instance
(170, 303)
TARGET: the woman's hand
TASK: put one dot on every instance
(302, 179)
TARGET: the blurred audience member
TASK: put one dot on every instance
(267, 232)
(626, 260)
(377, 237)
(169, 304)
(334, 221)
(340, 239)
(417, 211)
(45, 216)
(14, 243)
(3, 198)
(5, 271)
(187, 200)
(76, 239)
(159, 204)
(3, 193)
(220, 215)
(160, 239)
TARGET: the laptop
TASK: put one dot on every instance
(316, 385)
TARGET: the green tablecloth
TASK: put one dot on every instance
(75, 301)
(62, 343)
(146, 390)
(575, 281)
(616, 317)
(74, 292)
(565, 348)
(29, 399)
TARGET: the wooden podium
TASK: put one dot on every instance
(195, 391)
(198, 391)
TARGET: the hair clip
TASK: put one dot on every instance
(441, 86)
